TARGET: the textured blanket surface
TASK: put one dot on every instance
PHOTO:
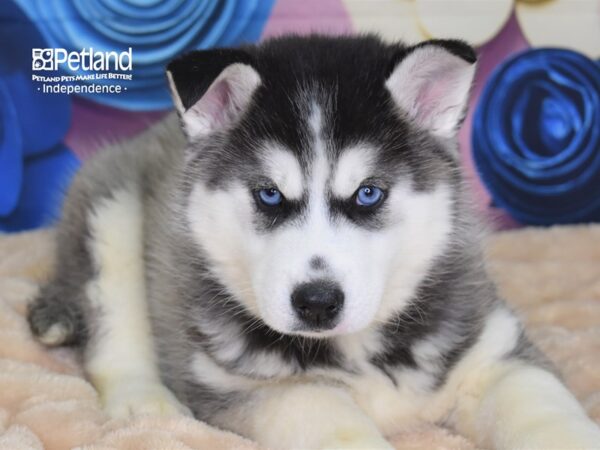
(550, 276)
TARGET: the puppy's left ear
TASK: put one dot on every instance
(211, 89)
(431, 83)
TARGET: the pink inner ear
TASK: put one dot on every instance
(432, 86)
(223, 102)
(429, 97)
(440, 98)
(216, 103)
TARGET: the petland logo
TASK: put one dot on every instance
(83, 72)
(86, 59)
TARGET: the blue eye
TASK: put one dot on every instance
(368, 196)
(270, 197)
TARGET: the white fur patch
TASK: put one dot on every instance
(320, 168)
(284, 170)
(500, 336)
(353, 167)
(121, 362)
(222, 223)
(359, 347)
(420, 225)
(267, 365)
(118, 290)
(528, 407)
(55, 335)
(208, 372)
(328, 414)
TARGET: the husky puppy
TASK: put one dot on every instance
(298, 262)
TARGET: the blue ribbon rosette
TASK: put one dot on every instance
(156, 30)
(536, 137)
(35, 167)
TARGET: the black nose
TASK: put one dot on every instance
(318, 303)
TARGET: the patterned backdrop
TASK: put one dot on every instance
(530, 144)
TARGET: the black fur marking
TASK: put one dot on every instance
(456, 47)
(373, 218)
(206, 403)
(381, 365)
(317, 263)
(270, 217)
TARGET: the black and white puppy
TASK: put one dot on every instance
(300, 264)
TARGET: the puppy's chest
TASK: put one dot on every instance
(396, 397)
(393, 398)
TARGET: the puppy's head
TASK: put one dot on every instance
(323, 172)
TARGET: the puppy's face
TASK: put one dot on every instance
(320, 204)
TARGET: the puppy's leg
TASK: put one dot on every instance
(504, 401)
(120, 357)
(526, 407)
(309, 416)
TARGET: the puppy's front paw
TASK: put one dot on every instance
(357, 439)
(55, 322)
(133, 398)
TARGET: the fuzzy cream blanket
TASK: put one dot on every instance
(552, 276)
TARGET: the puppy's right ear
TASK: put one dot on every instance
(432, 82)
(211, 89)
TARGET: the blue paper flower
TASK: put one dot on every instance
(34, 165)
(536, 137)
(156, 30)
